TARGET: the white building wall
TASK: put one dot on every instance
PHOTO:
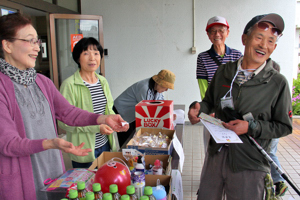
(298, 14)
(145, 36)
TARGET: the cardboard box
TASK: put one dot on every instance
(154, 114)
(150, 150)
(151, 180)
(166, 181)
(149, 159)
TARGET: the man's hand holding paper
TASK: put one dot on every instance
(219, 130)
(193, 113)
(240, 127)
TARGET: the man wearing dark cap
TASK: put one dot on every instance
(252, 99)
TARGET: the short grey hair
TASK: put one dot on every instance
(249, 31)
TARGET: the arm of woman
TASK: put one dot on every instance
(74, 116)
(67, 90)
(63, 145)
(13, 141)
(13, 144)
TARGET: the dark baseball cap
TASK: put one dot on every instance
(275, 19)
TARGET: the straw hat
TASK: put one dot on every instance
(165, 78)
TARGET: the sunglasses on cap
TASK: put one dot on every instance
(265, 27)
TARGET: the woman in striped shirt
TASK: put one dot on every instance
(89, 91)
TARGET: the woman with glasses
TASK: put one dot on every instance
(90, 91)
(30, 105)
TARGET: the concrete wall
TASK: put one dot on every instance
(145, 36)
(69, 4)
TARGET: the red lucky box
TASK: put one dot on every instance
(154, 114)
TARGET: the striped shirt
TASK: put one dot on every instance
(151, 95)
(243, 78)
(99, 104)
(206, 66)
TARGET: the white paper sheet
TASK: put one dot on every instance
(211, 119)
(178, 148)
(221, 135)
(177, 184)
(179, 117)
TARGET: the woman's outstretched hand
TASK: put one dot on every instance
(68, 147)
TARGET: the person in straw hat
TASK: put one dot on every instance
(147, 89)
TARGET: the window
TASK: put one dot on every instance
(6, 11)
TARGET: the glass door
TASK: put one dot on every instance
(6, 10)
(65, 31)
(7, 7)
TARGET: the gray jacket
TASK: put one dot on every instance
(267, 96)
(125, 103)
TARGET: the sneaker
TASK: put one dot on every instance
(281, 188)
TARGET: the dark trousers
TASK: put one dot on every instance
(124, 137)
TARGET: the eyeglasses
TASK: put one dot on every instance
(221, 31)
(32, 41)
(265, 27)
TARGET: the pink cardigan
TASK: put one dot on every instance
(16, 176)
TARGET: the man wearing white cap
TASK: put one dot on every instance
(254, 100)
(217, 30)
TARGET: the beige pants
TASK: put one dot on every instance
(217, 178)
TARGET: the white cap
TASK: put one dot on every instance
(216, 20)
